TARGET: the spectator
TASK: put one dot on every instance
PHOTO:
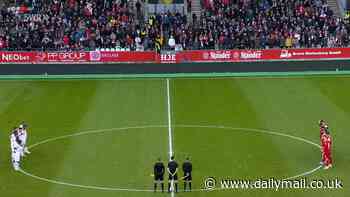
(138, 43)
(171, 43)
(189, 6)
(138, 9)
(288, 41)
(2, 43)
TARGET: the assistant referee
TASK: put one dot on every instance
(159, 170)
(187, 169)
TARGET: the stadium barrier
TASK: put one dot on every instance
(175, 57)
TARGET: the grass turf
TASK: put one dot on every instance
(124, 158)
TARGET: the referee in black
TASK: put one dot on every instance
(159, 170)
(172, 170)
(187, 169)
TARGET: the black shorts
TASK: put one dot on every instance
(174, 178)
(188, 178)
(159, 177)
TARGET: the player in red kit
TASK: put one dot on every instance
(326, 142)
(322, 125)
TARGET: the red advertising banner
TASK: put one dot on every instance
(122, 56)
(73, 56)
(262, 55)
(176, 57)
(325, 53)
(167, 57)
(17, 57)
(204, 56)
(77, 57)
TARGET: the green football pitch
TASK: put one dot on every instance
(101, 137)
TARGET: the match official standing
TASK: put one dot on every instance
(172, 170)
(159, 170)
(187, 169)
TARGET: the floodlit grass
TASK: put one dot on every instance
(134, 112)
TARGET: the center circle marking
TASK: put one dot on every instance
(264, 131)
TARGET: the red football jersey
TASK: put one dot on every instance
(326, 142)
(322, 131)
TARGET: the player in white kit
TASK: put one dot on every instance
(23, 136)
(15, 149)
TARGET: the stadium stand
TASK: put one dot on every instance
(273, 24)
(223, 24)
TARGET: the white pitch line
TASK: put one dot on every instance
(171, 152)
(161, 126)
(304, 174)
(253, 130)
(169, 119)
(92, 132)
(84, 186)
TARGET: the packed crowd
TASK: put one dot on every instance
(69, 25)
(223, 24)
(273, 23)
